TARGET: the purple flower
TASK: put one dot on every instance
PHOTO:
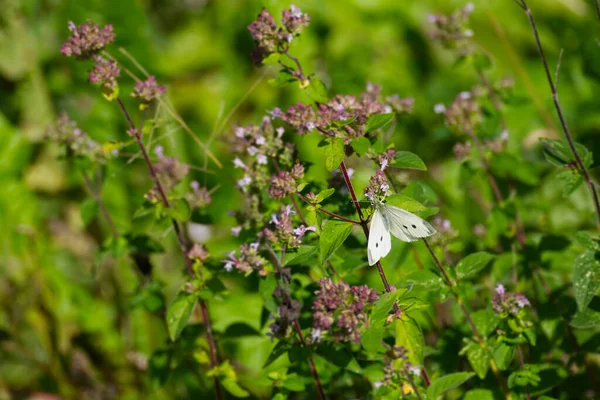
(249, 260)
(505, 302)
(148, 90)
(340, 309)
(87, 40)
(105, 72)
(198, 252)
(378, 187)
(281, 231)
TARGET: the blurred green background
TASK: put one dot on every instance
(68, 321)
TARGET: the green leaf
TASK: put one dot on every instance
(479, 394)
(479, 358)
(282, 347)
(334, 234)
(383, 306)
(231, 385)
(469, 266)
(334, 153)
(317, 91)
(180, 210)
(372, 339)
(303, 254)
(294, 382)
(325, 194)
(424, 279)
(585, 319)
(143, 244)
(586, 278)
(569, 180)
(485, 321)
(150, 297)
(406, 159)
(586, 240)
(447, 382)
(558, 152)
(405, 203)
(179, 312)
(503, 355)
(409, 335)
(377, 121)
(283, 78)
(506, 165)
(89, 210)
(361, 145)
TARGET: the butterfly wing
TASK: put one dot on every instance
(407, 226)
(380, 242)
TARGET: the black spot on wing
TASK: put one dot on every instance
(376, 244)
(414, 226)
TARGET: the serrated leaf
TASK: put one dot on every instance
(479, 358)
(503, 355)
(372, 339)
(361, 145)
(377, 121)
(586, 278)
(569, 180)
(283, 78)
(317, 91)
(586, 240)
(333, 235)
(303, 254)
(442, 384)
(424, 279)
(383, 306)
(406, 159)
(231, 385)
(469, 266)
(89, 210)
(409, 335)
(485, 321)
(180, 210)
(405, 203)
(334, 153)
(325, 194)
(178, 313)
(282, 347)
(558, 152)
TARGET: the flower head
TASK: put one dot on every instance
(148, 90)
(378, 188)
(505, 302)
(105, 72)
(340, 309)
(281, 231)
(87, 40)
(248, 261)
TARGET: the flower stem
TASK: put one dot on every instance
(565, 128)
(365, 227)
(96, 195)
(334, 215)
(522, 364)
(182, 244)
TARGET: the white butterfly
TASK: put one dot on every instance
(400, 223)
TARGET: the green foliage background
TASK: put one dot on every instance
(69, 323)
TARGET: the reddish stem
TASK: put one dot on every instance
(365, 227)
(182, 243)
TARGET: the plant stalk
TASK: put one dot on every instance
(565, 128)
(182, 244)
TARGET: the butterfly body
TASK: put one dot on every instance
(392, 220)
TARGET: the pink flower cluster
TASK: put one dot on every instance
(508, 303)
(281, 231)
(378, 188)
(87, 40)
(340, 309)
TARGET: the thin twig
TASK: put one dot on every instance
(182, 243)
(96, 195)
(324, 211)
(559, 111)
(279, 266)
(522, 364)
(363, 224)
